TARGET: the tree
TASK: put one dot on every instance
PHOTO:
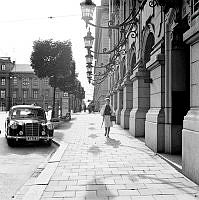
(53, 59)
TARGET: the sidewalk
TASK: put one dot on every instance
(90, 166)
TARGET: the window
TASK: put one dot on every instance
(46, 93)
(14, 94)
(28, 113)
(46, 81)
(65, 94)
(35, 81)
(195, 5)
(3, 67)
(25, 81)
(2, 106)
(3, 81)
(57, 95)
(25, 94)
(3, 94)
(35, 94)
(15, 80)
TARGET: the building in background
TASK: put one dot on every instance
(154, 86)
(6, 67)
(27, 88)
(20, 85)
(101, 42)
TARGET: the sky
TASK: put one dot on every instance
(24, 21)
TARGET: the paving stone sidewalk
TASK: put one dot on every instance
(120, 167)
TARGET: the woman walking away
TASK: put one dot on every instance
(106, 112)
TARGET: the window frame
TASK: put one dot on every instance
(3, 67)
(25, 96)
(3, 96)
(15, 80)
(14, 94)
(35, 94)
(3, 81)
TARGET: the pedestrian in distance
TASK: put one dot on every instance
(84, 108)
(106, 112)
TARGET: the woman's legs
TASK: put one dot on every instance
(105, 131)
(108, 128)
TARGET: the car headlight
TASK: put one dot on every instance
(14, 125)
(50, 126)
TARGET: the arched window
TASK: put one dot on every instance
(149, 47)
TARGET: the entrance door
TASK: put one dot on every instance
(180, 95)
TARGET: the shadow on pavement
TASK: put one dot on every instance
(94, 150)
(92, 128)
(61, 130)
(112, 142)
(93, 136)
(101, 188)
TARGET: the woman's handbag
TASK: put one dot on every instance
(113, 118)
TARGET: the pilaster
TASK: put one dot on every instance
(155, 117)
(140, 80)
(190, 133)
(127, 102)
(114, 100)
(119, 103)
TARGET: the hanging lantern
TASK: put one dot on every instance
(88, 40)
(89, 58)
(87, 8)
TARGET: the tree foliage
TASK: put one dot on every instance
(53, 59)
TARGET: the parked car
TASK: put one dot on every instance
(28, 123)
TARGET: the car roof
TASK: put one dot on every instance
(26, 106)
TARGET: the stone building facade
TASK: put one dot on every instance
(6, 65)
(27, 88)
(154, 86)
(101, 42)
(20, 85)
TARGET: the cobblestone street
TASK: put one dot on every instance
(120, 167)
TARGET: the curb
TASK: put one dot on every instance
(37, 188)
(173, 164)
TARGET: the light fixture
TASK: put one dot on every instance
(127, 28)
(87, 8)
(89, 67)
(88, 40)
(89, 58)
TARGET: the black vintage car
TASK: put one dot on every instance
(28, 123)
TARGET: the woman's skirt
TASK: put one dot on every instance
(107, 121)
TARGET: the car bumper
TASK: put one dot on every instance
(26, 137)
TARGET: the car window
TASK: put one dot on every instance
(28, 113)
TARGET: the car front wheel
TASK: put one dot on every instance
(49, 142)
(11, 142)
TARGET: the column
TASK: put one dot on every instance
(127, 104)
(140, 103)
(111, 98)
(190, 133)
(115, 100)
(155, 117)
(119, 104)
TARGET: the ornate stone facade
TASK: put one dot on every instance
(156, 76)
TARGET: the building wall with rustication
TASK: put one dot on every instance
(155, 81)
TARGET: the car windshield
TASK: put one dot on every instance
(28, 113)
